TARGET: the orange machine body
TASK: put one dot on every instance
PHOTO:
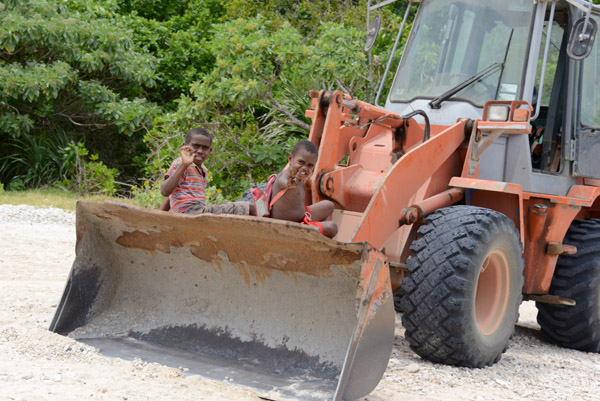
(383, 177)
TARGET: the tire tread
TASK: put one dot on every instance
(433, 296)
(576, 277)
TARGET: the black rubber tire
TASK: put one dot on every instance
(576, 277)
(440, 300)
(398, 302)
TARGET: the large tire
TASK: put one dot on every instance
(398, 302)
(576, 277)
(462, 294)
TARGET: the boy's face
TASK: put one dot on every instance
(201, 146)
(302, 165)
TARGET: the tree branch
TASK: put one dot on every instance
(277, 106)
(83, 125)
(344, 88)
(10, 106)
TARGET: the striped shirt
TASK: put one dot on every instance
(191, 189)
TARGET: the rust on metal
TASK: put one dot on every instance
(410, 215)
(415, 212)
(282, 246)
(537, 221)
(548, 220)
(557, 248)
(550, 299)
(147, 241)
(398, 272)
(211, 285)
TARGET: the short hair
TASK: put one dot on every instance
(306, 145)
(197, 131)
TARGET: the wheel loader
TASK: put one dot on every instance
(473, 188)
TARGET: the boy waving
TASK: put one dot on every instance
(185, 182)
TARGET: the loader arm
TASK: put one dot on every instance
(402, 181)
(391, 164)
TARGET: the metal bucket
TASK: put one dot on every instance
(268, 304)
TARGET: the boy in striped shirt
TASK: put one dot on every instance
(185, 182)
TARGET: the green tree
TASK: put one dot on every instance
(106, 74)
(255, 98)
(71, 69)
(307, 17)
(175, 33)
(304, 15)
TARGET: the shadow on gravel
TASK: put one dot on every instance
(525, 331)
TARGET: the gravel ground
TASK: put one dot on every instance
(29, 214)
(36, 252)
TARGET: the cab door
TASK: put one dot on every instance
(587, 118)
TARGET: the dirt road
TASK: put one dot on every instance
(36, 252)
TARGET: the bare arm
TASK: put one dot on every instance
(291, 205)
(187, 158)
(165, 205)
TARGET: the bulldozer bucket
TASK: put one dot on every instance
(266, 304)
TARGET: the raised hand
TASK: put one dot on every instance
(187, 155)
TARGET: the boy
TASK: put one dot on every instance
(287, 198)
(185, 182)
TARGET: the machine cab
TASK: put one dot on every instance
(454, 41)
(463, 53)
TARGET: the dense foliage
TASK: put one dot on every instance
(96, 91)
(70, 76)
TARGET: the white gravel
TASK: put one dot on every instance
(36, 252)
(30, 214)
(37, 248)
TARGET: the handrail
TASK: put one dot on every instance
(543, 74)
(389, 63)
(586, 6)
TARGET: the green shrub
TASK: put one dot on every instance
(71, 67)
(17, 185)
(32, 161)
(148, 194)
(84, 173)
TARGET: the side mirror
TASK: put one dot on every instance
(581, 40)
(372, 32)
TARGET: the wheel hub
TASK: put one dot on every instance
(492, 294)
